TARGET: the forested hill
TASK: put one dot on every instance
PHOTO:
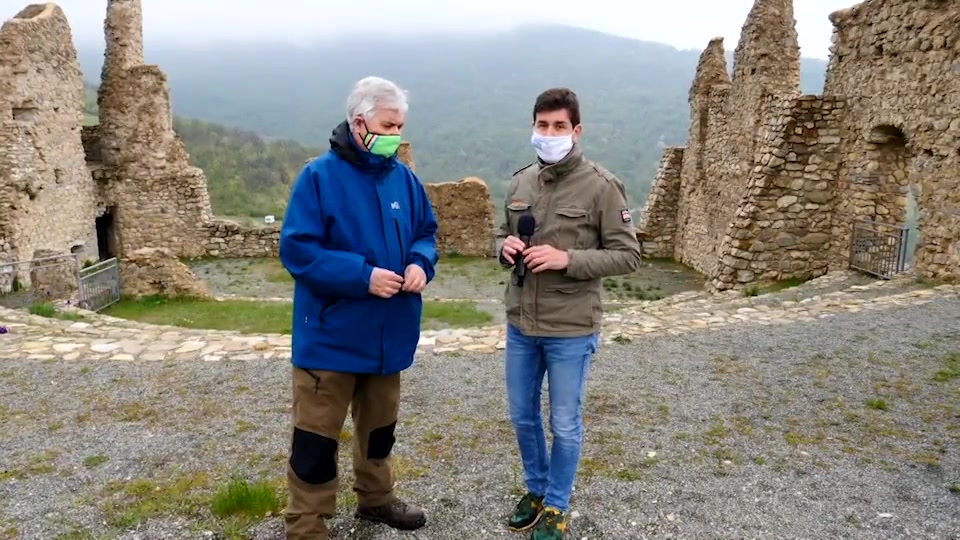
(246, 175)
(471, 97)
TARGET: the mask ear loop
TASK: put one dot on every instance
(370, 138)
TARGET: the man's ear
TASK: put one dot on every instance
(577, 131)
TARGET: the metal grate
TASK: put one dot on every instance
(878, 248)
(99, 285)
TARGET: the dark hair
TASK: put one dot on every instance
(555, 99)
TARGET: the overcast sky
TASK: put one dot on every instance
(681, 23)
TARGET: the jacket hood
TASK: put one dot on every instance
(343, 144)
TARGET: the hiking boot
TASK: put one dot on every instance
(396, 514)
(551, 527)
(527, 513)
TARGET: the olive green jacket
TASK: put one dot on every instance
(579, 207)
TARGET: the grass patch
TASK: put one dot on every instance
(456, 314)
(240, 315)
(50, 311)
(773, 287)
(229, 509)
(251, 317)
(92, 462)
(241, 498)
(952, 369)
(878, 404)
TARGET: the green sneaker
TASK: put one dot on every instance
(527, 513)
(552, 526)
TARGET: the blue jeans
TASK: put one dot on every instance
(565, 361)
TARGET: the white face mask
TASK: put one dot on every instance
(551, 149)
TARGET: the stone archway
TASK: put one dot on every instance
(888, 166)
(884, 204)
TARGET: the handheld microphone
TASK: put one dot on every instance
(525, 227)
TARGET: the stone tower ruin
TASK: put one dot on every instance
(772, 183)
(95, 192)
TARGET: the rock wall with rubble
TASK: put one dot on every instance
(782, 229)
(897, 64)
(657, 224)
(464, 213)
(771, 183)
(159, 199)
(47, 201)
(727, 118)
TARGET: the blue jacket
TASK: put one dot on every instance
(350, 211)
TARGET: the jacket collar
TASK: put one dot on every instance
(565, 166)
(343, 144)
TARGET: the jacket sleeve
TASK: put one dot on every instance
(325, 272)
(503, 230)
(423, 250)
(619, 251)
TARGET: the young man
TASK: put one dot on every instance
(359, 240)
(583, 233)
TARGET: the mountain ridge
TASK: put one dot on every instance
(471, 97)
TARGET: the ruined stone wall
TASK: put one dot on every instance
(782, 229)
(657, 226)
(225, 238)
(46, 195)
(699, 178)
(897, 64)
(160, 200)
(727, 120)
(464, 213)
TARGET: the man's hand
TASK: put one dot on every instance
(414, 279)
(384, 283)
(511, 246)
(543, 257)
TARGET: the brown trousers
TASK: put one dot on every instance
(320, 402)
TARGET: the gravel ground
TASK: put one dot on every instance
(757, 433)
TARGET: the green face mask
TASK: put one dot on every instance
(382, 145)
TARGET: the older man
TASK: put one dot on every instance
(582, 232)
(359, 240)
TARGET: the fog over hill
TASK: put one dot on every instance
(471, 97)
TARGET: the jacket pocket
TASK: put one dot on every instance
(568, 306)
(327, 308)
(572, 226)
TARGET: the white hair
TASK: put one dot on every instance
(370, 93)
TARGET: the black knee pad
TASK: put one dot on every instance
(313, 457)
(381, 442)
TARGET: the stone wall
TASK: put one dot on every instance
(782, 229)
(45, 192)
(90, 136)
(657, 225)
(771, 182)
(464, 212)
(727, 117)
(158, 272)
(897, 64)
(225, 238)
(160, 199)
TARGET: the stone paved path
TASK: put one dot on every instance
(109, 338)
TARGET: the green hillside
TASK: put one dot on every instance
(470, 97)
(246, 175)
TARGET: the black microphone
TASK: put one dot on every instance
(525, 227)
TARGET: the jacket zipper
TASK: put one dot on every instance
(396, 222)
